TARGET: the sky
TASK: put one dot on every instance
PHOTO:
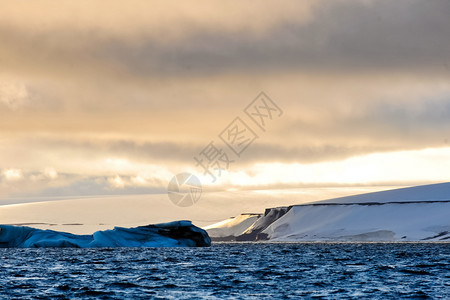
(115, 98)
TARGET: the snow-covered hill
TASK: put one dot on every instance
(232, 227)
(408, 214)
(86, 215)
(430, 192)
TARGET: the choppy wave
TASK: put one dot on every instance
(250, 271)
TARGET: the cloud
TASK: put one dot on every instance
(159, 18)
(13, 94)
(116, 182)
(12, 174)
(50, 173)
(88, 38)
(100, 185)
(123, 95)
(342, 36)
(129, 155)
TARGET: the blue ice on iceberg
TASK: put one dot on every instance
(172, 234)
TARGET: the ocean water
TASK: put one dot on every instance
(230, 271)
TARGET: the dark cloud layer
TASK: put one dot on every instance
(174, 153)
(343, 35)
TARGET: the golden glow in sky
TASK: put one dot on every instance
(115, 98)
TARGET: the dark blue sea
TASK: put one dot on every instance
(230, 271)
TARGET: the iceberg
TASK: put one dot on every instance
(172, 234)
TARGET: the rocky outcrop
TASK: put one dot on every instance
(255, 232)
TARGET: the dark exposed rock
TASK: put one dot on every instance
(254, 233)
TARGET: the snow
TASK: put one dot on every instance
(85, 215)
(233, 226)
(386, 222)
(173, 234)
(306, 222)
(430, 192)
(270, 215)
(420, 213)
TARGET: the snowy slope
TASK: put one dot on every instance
(245, 227)
(430, 192)
(355, 222)
(407, 214)
(233, 226)
(270, 216)
(89, 214)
